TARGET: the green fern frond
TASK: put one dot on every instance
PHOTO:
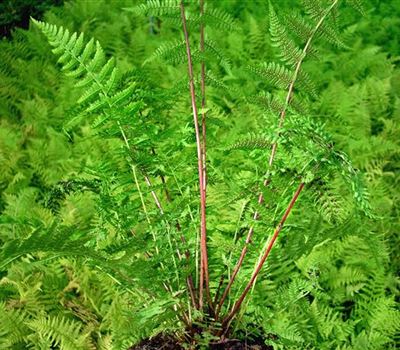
(268, 102)
(156, 8)
(306, 83)
(348, 276)
(328, 30)
(280, 76)
(333, 207)
(275, 74)
(357, 5)
(62, 332)
(275, 104)
(118, 98)
(299, 26)
(219, 19)
(252, 142)
(288, 50)
(360, 192)
(304, 30)
(173, 52)
(56, 242)
(106, 342)
(290, 294)
(314, 8)
(256, 38)
(212, 47)
(212, 80)
(62, 189)
(330, 34)
(97, 75)
(13, 327)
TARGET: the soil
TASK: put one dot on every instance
(163, 342)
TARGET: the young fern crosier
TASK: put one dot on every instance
(308, 156)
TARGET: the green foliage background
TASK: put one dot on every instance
(72, 230)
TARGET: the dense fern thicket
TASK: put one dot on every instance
(88, 258)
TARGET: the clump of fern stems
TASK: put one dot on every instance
(215, 306)
(202, 295)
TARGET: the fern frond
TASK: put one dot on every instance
(62, 332)
(314, 8)
(281, 77)
(328, 30)
(173, 52)
(105, 342)
(275, 73)
(97, 75)
(333, 207)
(299, 26)
(212, 80)
(59, 243)
(13, 327)
(123, 95)
(252, 142)
(288, 50)
(357, 5)
(360, 192)
(289, 295)
(212, 47)
(306, 83)
(275, 104)
(330, 34)
(156, 8)
(219, 19)
(268, 102)
(256, 38)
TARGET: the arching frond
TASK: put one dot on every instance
(288, 50)
(98, 76)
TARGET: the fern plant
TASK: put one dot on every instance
(188, 248)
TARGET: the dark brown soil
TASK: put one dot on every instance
(158, 342)
(163, 342)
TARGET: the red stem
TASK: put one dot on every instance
(257, 269)
(203, 226)
(203, 133)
